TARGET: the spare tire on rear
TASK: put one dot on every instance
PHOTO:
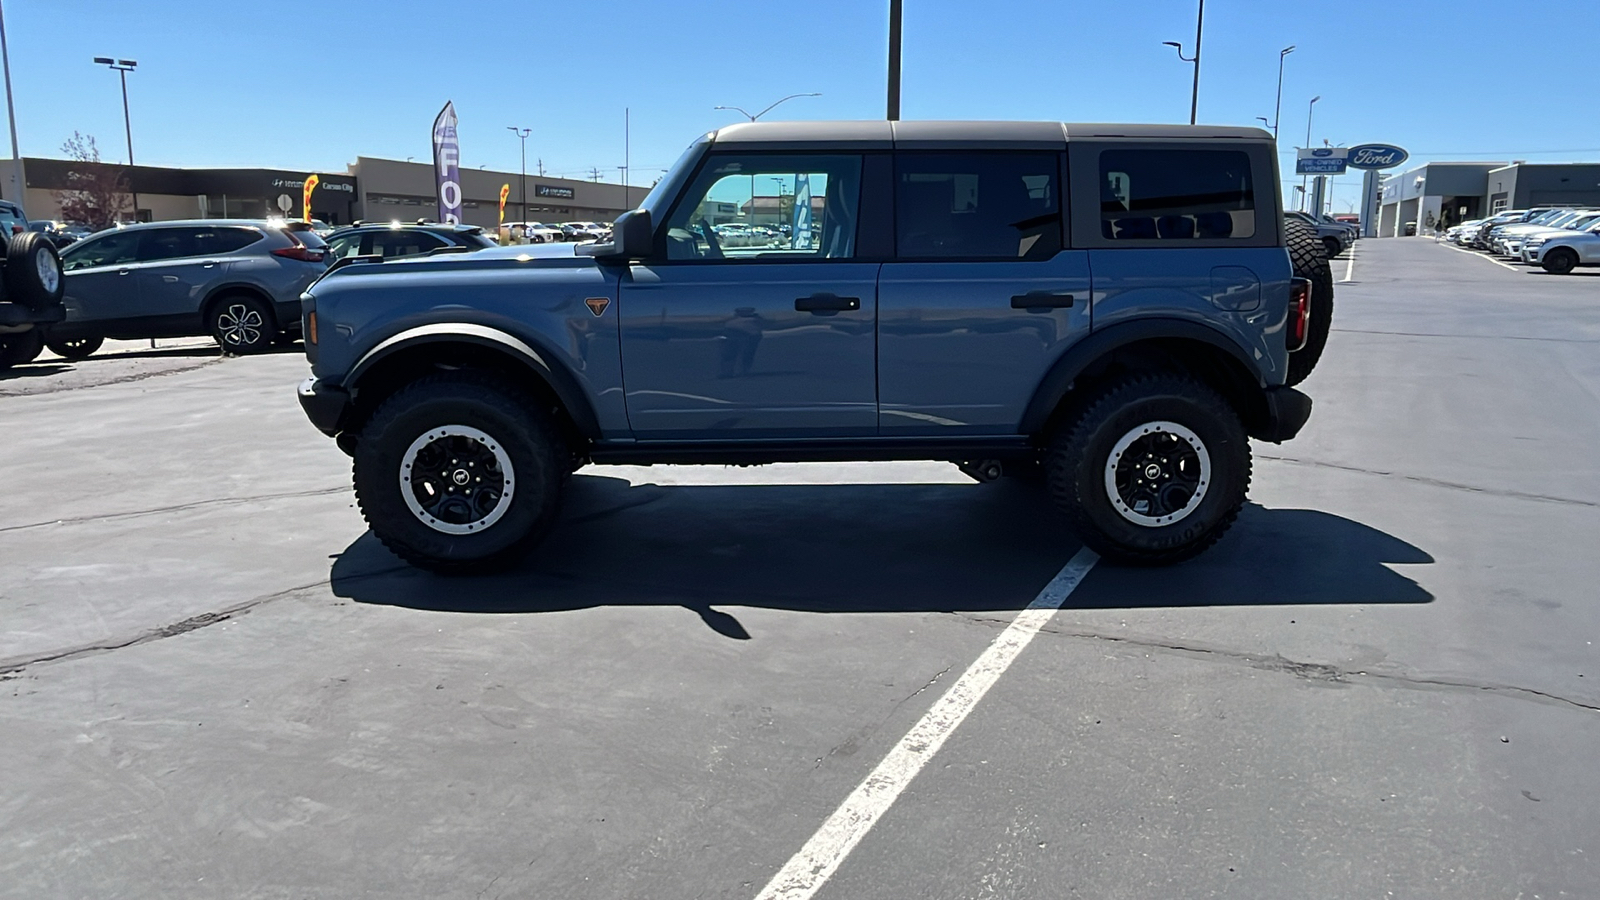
(33, 271)
(1310, 261)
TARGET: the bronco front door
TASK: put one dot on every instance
(754, 318)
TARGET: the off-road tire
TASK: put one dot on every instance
(1559, 261)
(241, 324)
(518, 426)
(19, 347)
(33, 271)
(75, 348)
(1131, 406)
(1310, 261)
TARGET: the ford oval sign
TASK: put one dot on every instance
(1376, 156)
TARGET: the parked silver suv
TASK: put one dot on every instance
(238, 280)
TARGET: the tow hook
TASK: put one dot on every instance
(981, 469)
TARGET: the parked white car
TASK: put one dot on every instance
(1561, 253)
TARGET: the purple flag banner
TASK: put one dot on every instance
(446, 165)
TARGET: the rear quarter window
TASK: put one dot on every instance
(1176, 194)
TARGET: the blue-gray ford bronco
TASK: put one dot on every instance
(1109, 309)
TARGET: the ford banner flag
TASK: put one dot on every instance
(446, 163)
(800, 227)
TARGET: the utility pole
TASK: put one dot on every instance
(1310, 109)
(1277, 111)
(1199, 29)
(627, 190)
(123, 67)
(11, 116)
(522, 134)
(541, 167)
(895, 30)
(595, 171)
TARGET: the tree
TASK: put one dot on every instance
(97, 193)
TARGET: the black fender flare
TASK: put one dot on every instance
(556, 376)
(1080, 356)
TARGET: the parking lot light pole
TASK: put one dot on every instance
(1199, 29)
(522, 134)
(1277, 111)
(11, 116)
(123, 67)
(752, 117)
(1310, 109)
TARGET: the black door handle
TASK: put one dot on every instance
(826, 303)
(1039, 301)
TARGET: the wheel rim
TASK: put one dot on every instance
(456, 479)
(240, 325)
(1157, 474)
(49, 271)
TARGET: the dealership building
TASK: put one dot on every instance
(1458, 191)
(369, 189)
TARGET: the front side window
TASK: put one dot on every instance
(977, 205)
(771, 208)
(114, 249)
(1176, 195)
(344, 245)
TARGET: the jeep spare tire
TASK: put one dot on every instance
(33, 271)
(1310, 261)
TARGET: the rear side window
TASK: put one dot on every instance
(225, 240)
(167, 243)
(973, 205)
(1176, 195)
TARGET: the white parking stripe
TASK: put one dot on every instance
(1350, 267)
(807, 871)
(1481, 256)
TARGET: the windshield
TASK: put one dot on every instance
(669, 184)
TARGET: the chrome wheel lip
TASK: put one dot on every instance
(1121, 447)
(408, 494)
(240, 325)
(49, 271)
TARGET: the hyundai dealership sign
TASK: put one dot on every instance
(1320, 161)
(1376, 156)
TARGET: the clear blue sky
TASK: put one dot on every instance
(310, 86)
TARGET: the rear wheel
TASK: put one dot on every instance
(75, 348)
(20, 347)
(1153, 471)
(1309, 259)
(242, 323)
(33, 271)
(458, 472)
(1559, 261)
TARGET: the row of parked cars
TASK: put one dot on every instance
(1557, 239)
(1336, 236)
(542, 233)
(237, 280)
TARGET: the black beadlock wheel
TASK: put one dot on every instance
(75, 348)
(1559, 261)
(33, 271)
(459, 472)
(1310, 261)
(241, 323)
(19, 347)
(1152, 471)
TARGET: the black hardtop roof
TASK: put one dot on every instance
(939, 134)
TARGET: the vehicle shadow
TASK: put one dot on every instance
(34, 370)
(854, 548)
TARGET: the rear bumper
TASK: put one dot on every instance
(14, 315)
(325, 405)
(1285, 414)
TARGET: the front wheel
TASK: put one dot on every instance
(1153, 471)
(242, 324)
(459, 471)
(75, 348)
(1332, 246)
(1559, 261)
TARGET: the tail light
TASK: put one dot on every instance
(1298, 328)
(300, 252)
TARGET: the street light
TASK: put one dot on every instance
(752, 117)
(1277, 111)
(11, 116)
(1310, 108)
(1263, 121)
(1199, 28)
(522, 134)
(123, 67)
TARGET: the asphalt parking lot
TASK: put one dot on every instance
(214, 683)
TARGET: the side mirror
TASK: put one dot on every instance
(632, 237)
